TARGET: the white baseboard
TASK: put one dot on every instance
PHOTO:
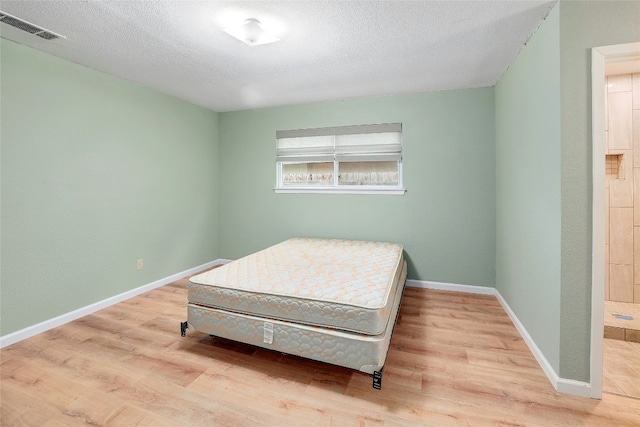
(484, 290)
(576, 388)
(562, 385)
(38, 328)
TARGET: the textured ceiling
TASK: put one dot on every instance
(330, 50)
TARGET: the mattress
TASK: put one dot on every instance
(340, 284)
(366, 353)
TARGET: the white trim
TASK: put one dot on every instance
(38, 328)
(472, 289)
(562, 385)
(308, 190)
(537, 353)
(600, 56)
(598, 218)
(577, 388)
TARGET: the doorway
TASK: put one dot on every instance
(614, 220)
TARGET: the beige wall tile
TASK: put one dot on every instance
(606, 113)
(607, 267)
(621, 283)
(636, 294)
(621, 235)
(636, 196)
(621, 189)
(636, 91)
(619, 83)
(607, 224)
(620, 121)
(636, 255)
(636, 136)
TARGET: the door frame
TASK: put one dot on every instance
(600, 57)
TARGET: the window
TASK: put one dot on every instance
(347, 159)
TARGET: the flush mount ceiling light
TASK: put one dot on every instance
(251, 33)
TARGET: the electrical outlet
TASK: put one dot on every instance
(139, 264)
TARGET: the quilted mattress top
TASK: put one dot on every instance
(341, 284)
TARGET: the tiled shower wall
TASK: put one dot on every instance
(622, 238)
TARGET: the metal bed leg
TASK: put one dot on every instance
(377, 379)
(183, 329)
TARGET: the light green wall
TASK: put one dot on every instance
(543, 148)
(528, 187)
(446, 220)
(96, 173)
(583, 25)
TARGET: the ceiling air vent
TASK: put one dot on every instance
(20, 24)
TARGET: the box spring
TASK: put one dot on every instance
(366, 353)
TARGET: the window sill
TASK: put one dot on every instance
(369, 190)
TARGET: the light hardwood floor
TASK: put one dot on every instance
(455, 359)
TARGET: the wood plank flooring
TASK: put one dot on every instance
(455, 359)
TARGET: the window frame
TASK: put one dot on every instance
(336, 159)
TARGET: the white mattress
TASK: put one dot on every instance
(366, 353)
(341, 284)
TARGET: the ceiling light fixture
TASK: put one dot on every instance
(251, 33)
